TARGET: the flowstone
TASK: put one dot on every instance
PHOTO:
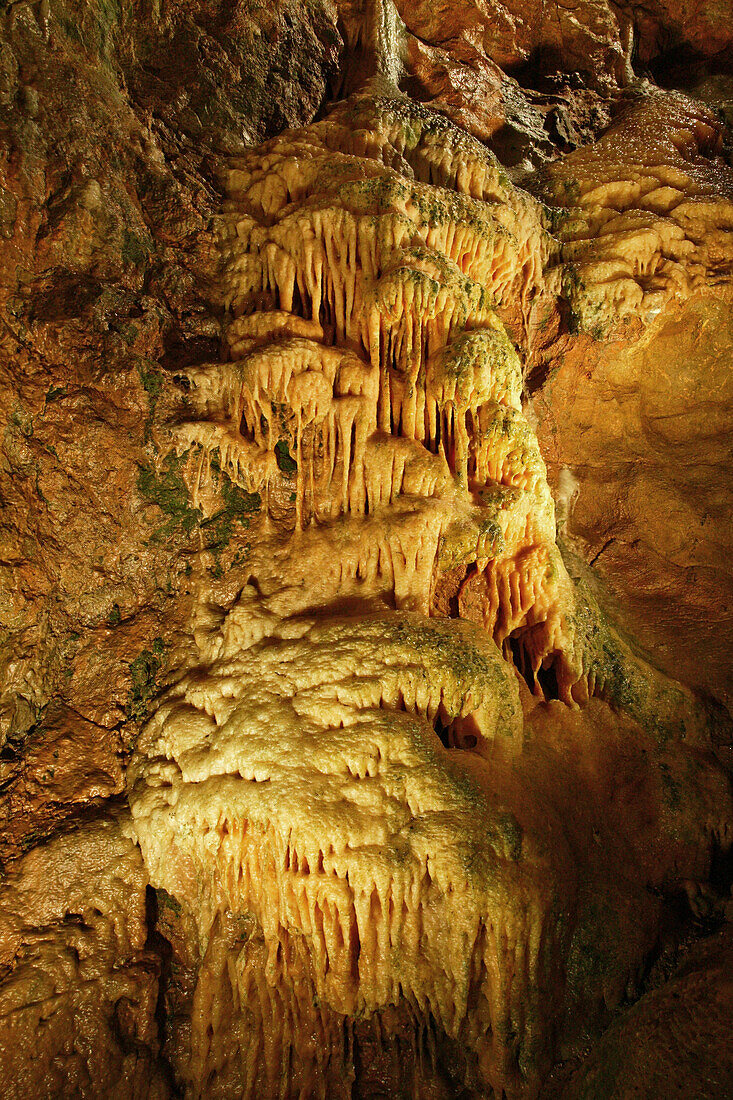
(650, 212)
(371, 798)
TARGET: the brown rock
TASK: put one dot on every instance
(637, 445)
(77, 988)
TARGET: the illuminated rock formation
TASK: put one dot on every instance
(336, 792)
(79, 988)
(329, 811)
(394, 381)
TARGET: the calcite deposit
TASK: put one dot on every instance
(332, 763)
(652, 217)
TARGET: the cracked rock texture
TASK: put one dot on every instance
(366, 578)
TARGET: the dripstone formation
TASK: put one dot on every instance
(365, 788)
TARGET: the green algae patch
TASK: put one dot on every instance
(664, 709)
(459, 545)
(511, 833)
(144, 672)
(167, 489)
(151, 381)
(238, 506)
(286, 464)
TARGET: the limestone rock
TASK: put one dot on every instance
(678, 1034)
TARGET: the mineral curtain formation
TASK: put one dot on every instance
(365, 788)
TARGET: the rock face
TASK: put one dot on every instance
(366, 560)
(79, 987)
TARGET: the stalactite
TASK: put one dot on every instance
(398, 353)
